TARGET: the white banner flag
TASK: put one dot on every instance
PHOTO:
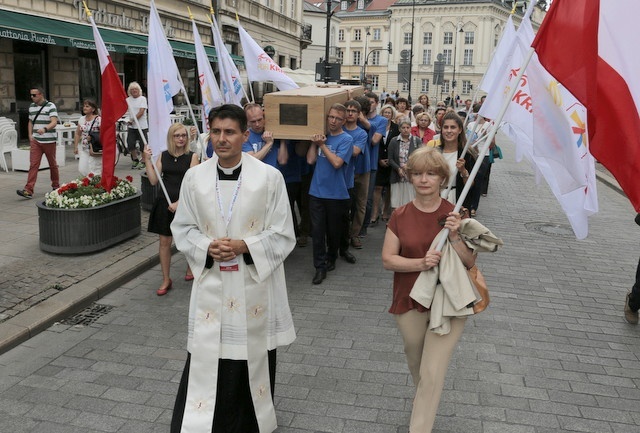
(230, 83)
(162, 83)
(211, 95)
(500, 56)
(261, 67)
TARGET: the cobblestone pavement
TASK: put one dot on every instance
(551, 354)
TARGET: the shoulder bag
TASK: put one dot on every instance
(93, 137)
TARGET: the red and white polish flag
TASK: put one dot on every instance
(590, 47)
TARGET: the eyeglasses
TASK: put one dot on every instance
(33, 95)
(179, 135)
(339, 119)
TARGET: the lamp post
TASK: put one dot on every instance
(366, 57)
(453, 80)
(326, 48)
(413, 16)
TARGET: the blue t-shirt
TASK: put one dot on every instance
(378, 124)
(328, 182)
(254, 144)
(362, 164)
(360, 139)
(292, 170)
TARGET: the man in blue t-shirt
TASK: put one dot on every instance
(328, 193)
(357, 193)
(261, 143)
(376, 125)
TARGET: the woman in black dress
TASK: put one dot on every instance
(172, 164)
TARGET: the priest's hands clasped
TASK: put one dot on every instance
(226, 249)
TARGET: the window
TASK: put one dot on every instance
(469, 38)
(341, 35)
(356, 57)
(340, 56)
(293, 63)
(375, 79)
(426, 57)
(424, 88)
(466, 87)
(267, 3)
(448, 38)
(293, 8)
(408, 38)
(360, 4)
(377, 34)
(427, 38)
(357, 35)
(375, 57)
(405, 86)
(446, 54)
(343, 5)
(468, 57)
(282, 6)
(445, 86)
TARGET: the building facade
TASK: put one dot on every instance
(462, 33)
(49, 43)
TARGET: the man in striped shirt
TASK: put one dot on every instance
(43, 118)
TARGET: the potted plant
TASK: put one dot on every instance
(82, 217)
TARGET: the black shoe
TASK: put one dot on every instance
(24, 193)
(630, 315)
(320, 275)
(331, 266)
(348, 257)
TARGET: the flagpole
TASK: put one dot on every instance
(483, 151)
(215, 30)
(475, 95)
(145, 144)
(464, 152)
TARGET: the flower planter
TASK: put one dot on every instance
(81, 231)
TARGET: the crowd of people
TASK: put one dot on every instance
(238, 201)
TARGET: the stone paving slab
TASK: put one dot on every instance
(36, 288)
(551, 354)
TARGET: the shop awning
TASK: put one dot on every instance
(48, 31)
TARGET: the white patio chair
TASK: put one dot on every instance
(8, 142)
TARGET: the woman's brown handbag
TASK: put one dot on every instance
(480, 285)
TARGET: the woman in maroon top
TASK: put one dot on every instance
(410, 232)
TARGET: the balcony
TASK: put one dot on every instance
(305, 35)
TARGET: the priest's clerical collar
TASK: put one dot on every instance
(231, 173)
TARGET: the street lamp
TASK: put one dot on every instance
(366, 59)
(453, 80)
(413, 16)
(326, 48)
(364, 66)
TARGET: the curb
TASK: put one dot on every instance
(610, 181)
(75, 298)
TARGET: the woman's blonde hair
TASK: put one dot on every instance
(134, 85)
(423, 114)
(394, 113)
(428, 159)
(171, 144)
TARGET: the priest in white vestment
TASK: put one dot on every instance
(235, 227)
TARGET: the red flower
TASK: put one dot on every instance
(90, 175)
(129, 178)
(85, 182)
